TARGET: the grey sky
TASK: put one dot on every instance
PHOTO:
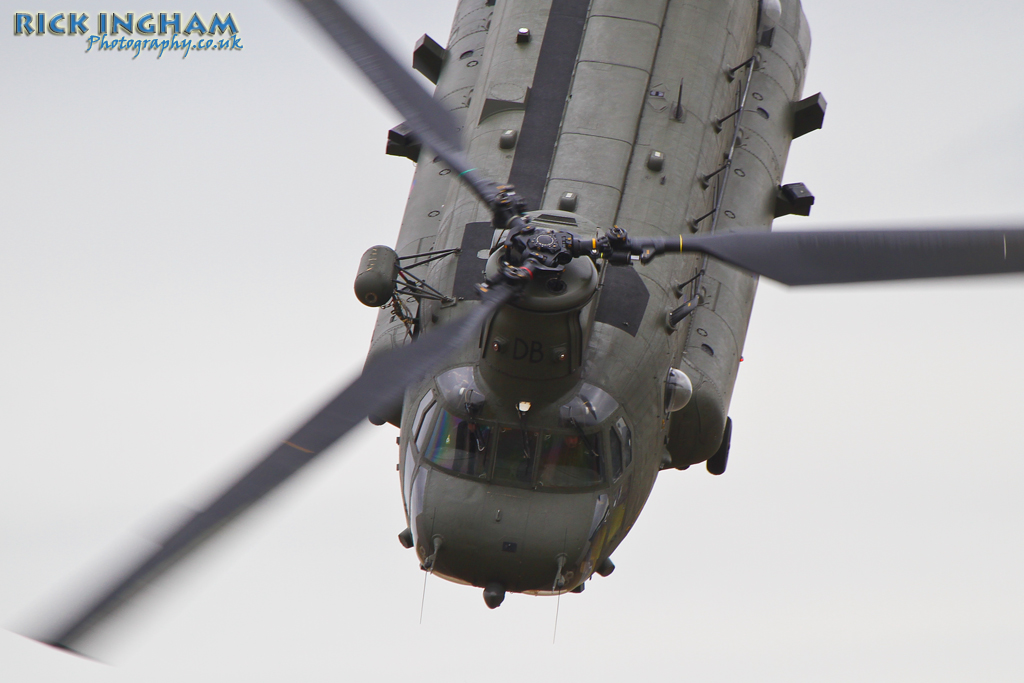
(177, 245)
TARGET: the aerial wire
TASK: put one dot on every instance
(429, 562)
(423, 597)
(558, 604)
(559, 580)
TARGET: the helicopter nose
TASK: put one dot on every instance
(487, 535)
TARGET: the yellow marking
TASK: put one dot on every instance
(680, 244)
(298, 448)
(594, 248)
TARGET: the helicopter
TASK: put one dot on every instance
(627, 266)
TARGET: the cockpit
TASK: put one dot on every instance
(476, 469)
(583, 445)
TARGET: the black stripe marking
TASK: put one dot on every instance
(624, 298)
(558, 52)
(469, 271)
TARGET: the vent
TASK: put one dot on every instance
(557, 220)
(428, 58)
(808, 115)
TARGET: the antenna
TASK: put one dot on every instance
(428, 568)
(557, 586)
(423, 597)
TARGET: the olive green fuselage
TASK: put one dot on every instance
(550, 429)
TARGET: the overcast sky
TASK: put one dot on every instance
(178, 239)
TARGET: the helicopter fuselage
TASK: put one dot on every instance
(526, 460)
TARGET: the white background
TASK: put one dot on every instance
(178, 240)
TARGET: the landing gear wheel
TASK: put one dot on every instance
(718, 461)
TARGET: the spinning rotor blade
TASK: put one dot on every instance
(432, 124)
(819, 257)
(381, 386)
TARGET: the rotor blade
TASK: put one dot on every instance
(382, 385)
(432, 124)
(818, 257)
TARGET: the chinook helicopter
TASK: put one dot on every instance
(513, 409)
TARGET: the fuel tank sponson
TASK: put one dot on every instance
(709, 342)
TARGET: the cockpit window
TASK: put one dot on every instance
(513, 460)
(615, 447)
(459, 445)
(627, 442)
(512, 455)
(569, 460)
(423, 417)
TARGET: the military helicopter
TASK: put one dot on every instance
(604, 251)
